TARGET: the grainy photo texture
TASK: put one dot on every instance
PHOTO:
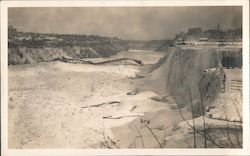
(125, 77)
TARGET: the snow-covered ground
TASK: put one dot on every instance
(61, 105)
(45, 103)
(46, 100)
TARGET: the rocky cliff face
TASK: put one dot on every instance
(24, 55)
(25, 50)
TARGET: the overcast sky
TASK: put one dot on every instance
(140, 23)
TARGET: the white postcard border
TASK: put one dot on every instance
(70, 152)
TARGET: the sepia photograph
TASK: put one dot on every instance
(125, 77)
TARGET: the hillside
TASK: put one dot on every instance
(26, 48)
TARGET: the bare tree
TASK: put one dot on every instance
(193, 118)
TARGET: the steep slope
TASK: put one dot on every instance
(25, 51)
(23, 55)
(181, 70)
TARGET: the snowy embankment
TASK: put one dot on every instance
(177, 80)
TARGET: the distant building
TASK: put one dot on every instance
(203, 39)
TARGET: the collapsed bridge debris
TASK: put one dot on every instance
(118, 61)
